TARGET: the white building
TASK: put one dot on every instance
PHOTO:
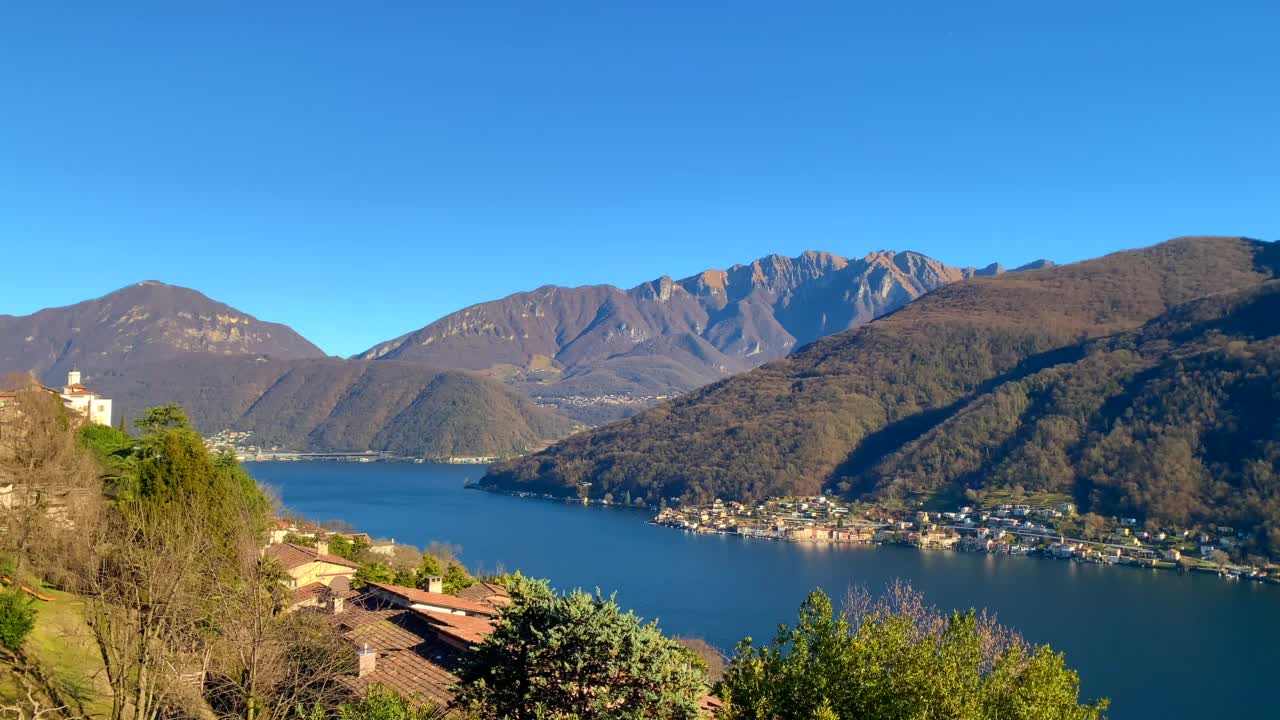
(85, 401)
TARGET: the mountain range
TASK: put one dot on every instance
(599, 352)
(462, 384)
(153, 343)
(1142, 383)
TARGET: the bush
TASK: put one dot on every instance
(898, 658)
(17, 618)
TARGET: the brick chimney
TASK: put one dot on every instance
(322, 547)
(366, 661)
(435, 584)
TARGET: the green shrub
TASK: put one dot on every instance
(17, 618)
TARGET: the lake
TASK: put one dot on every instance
(1160, 644)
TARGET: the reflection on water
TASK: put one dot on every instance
(1133, 634)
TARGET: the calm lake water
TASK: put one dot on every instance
(1159, 644)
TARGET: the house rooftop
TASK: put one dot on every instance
(462, 628)
(291, 556)
(414, 596)
(486, 592)
(410, 658)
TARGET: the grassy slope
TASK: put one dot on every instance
(63, 650)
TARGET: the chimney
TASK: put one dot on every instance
(435, 584)
(322, 547)
(366, 661)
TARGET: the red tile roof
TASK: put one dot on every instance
(292, 556)
(409, 660)
(307, 593)
(486, 592)
(466, 629)
(414, 596)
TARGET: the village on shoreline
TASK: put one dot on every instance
(1032, 529)
(1004, 528)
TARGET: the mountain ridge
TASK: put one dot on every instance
(790, 426)
(142, 322)
(152, 343)
(667, 336)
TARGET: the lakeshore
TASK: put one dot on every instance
(1005, 529)
(1135, 636)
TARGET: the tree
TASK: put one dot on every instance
(456, 578)
(17, 618)
(49, 482)
(711, 657)
(1220, 558)
(577, 656)
(897, 658)
(428, 567)
(353, 549)
(374, 573)
(166, 566)
(163, 417)
(1093, 526)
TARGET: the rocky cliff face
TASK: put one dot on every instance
(591, 350)
(141, 323)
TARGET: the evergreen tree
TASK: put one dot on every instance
(577, 656)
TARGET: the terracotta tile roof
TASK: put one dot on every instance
(292, 556)
(307, 593)
(465, 629)
(410, 659)
(486, 592)
(422, 597)
(710, 705)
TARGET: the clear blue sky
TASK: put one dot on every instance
(359, 169)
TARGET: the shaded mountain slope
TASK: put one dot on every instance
(341, 405)
(152, 343)
(1178, 422)
(792, 426)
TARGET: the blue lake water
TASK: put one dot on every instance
(1160, 644)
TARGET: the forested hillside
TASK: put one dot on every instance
(151, 343)
(863, 410)
(341, 405)
(1178, 422)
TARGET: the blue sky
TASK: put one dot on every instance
(357, 170)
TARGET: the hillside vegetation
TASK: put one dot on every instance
(881, 410)
(342, 405)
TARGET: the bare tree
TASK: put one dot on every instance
(48, 482)
(268, 661)
(149, 608)
(901, 601)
